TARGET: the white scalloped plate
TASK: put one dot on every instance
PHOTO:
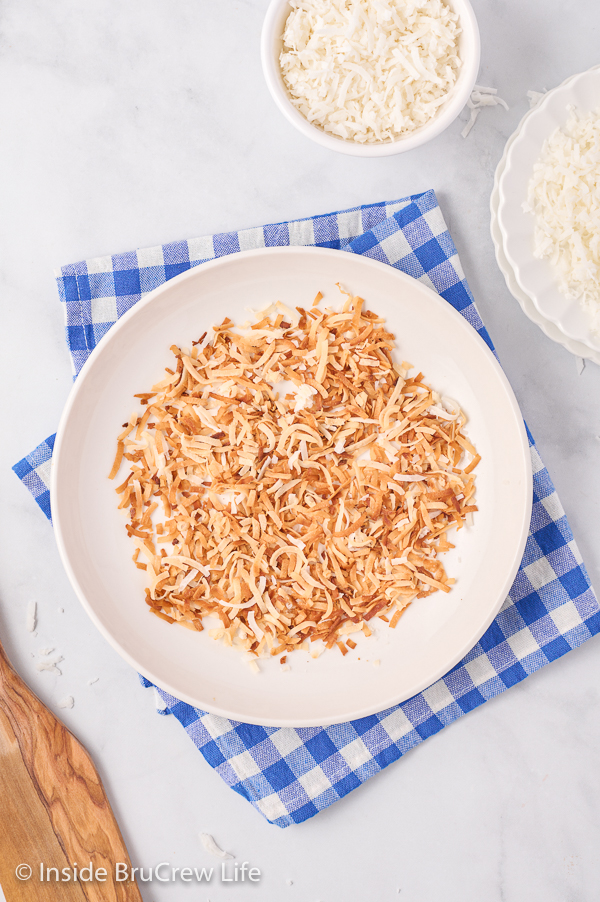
(549, 329)
(535, 277)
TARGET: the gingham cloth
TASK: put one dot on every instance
(291, 774)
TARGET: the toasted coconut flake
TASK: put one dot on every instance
(398, 614)
(297, 517)
(117, 462)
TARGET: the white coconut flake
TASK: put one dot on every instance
(450, 405)
(211, 846)
(563, 195)
(158, 701)
(534, 98)
(370, 71)
(48, 666)
(441, 413)
(31, 616)
(189, 577)
(67, 702)
(304, 394)
(481, 97)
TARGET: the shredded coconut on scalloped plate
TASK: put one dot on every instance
(564, 196)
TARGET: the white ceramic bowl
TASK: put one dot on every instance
(469, 49)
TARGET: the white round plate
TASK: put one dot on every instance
(535, 277)
(392, 665)
(528, 307)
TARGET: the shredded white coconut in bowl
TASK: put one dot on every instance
(564, 196)
(370, 71)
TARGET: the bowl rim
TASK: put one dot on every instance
(449, 110)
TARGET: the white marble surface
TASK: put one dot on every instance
(134, 124)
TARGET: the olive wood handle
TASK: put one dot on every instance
(53, 807)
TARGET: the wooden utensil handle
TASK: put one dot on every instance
(53, 805)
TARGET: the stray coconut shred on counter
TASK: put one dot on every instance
(370, 71)
(293, 481)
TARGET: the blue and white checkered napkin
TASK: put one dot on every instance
(291, 774)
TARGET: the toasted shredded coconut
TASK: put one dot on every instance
(370, 71)
(294, 524)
